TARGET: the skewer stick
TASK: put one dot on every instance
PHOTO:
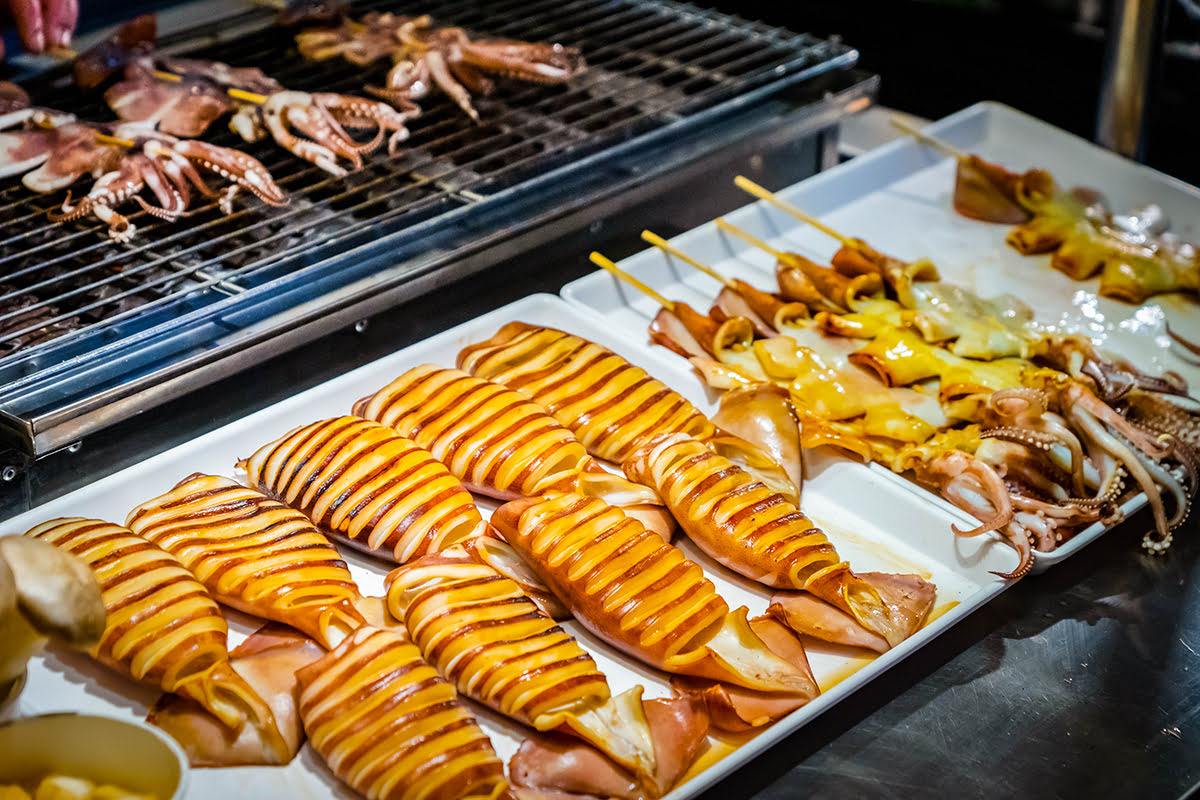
(937, 144)
(236, 94)
(601, 261)
(101, 138)
(762, 194)
(667, 247)
(749, 238)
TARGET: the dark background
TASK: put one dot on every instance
(1044, 57)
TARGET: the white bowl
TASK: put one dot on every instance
(128, 754)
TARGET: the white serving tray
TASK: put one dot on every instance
(898, 199)
(875, 524)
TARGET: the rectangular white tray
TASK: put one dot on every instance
(875, 524)
(897, 198)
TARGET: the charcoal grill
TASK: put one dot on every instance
(92, 331)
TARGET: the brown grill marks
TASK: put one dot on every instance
(390, 727)
(360, 481)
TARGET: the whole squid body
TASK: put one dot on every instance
(480, 632)
(499, 443)
(254, 554)
(387, 725)
(371, 488)
(646, 598)
(164, 629)
(757, 533)
(610, 404)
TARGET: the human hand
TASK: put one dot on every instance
(41, 23)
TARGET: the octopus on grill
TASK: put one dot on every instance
(425, 55)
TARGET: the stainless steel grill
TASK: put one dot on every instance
(87, 325)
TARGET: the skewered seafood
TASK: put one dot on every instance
(386, 724)
(610, 404)
(254, 554)
(496, 441)
(755, 532)
(424, 55)
(642, 595)
(480, 632)
(373, 489)
(163, 628)
(1133, 255)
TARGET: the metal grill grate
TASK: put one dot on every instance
(67, 293)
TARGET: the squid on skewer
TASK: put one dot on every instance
(499, 443)
(755, 532)
(645, 597)
(373, 489)
(164, 628)
(254, 554)
(609, 403)
(388, 726)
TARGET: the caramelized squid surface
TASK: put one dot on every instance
(374, 489)
(163, 627)
(388, 726)
(254, 554)
(483, 634)
(640, 594)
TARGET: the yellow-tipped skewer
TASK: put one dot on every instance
(748, 238)
(236, 94)
(753, 188)
(101, 138)
(920, 135)
(662, 244)
(607, 264)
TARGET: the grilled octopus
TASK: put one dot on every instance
(425, 55)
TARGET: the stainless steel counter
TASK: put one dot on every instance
(1081, 682)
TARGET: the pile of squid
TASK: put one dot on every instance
(53, 150)
(1133, 254)
(183, 97)
(424, 55)
(1037, 434)
(471, 609)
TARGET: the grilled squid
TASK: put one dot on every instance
(610, 404)
(642, 595)
(254, 554)
(480, 632)
(497, 442)
(375, 490)
(755, 532)
(387, 725)
(164, 628)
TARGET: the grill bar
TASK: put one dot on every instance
(655, 68)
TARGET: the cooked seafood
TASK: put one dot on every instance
(643, 595)
(424, 55)
(132, 41)
(610, 404)
(163, 628)
(387, 725)
(1133, 255)
(371, 488)
(480, 632)
(494, 440)
(755, 532)
(254, 554)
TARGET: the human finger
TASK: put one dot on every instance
(60, 18)
(30, 25)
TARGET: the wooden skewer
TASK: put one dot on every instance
(749, 238)
(753, 188)
(607, 264)
(667, 247)
(101, 138)
(937, 144)
(236, 94)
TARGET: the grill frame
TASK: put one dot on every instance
(45, 409)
